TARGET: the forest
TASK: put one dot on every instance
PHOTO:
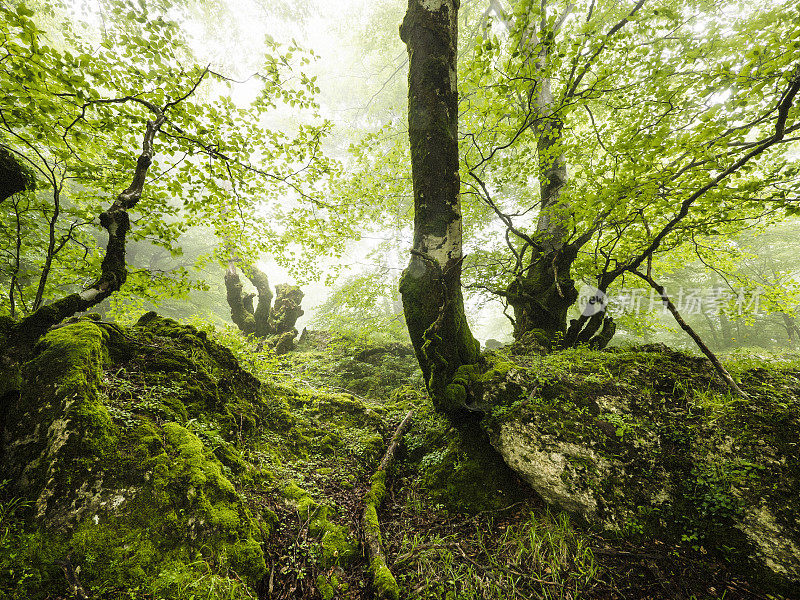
(420, 300)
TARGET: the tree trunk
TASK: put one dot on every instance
(261, 314)
(431, 284)
(792, 330)
(116, 221)
(240, 304)
(542, 296)
(542, 293)
(12, 177)
(273, 323)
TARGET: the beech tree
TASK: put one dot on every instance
(431, 284)
(272, 323)
(645, 123)
(80, 106)
(672, 125)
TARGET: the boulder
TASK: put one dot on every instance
(151, 464)
(103, 442)
(650, 443)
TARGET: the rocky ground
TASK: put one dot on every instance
(155, 462)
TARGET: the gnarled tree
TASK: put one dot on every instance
(274, 324)
(116, 221)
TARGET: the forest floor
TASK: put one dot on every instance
(503, 543)
(457, 523)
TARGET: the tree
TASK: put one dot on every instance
(665, 116)
(78, 106)
(272, 323)
(431, 284)
(610, 91)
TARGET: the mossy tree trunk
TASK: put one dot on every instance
(272, 323)
(542, 295)
(431, 284)
(249, 320)
(113, 271)
(543, 290)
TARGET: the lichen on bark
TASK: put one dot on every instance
(431, 285)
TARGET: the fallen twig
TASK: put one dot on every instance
(383, 581)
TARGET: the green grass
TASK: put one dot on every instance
(539, 557)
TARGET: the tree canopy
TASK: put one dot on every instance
(595, 141)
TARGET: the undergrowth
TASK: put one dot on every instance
(541, 556)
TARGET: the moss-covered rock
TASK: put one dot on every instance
(151, 459)
(651, 443)
(97, 439)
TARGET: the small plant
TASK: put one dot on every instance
(621, 424)
(10, 526)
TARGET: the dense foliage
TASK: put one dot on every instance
(566, 174)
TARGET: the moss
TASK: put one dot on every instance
(152, 454)
(377, 490)
(383, 581)
(247, 557)
(371, 522)
(148, 503)
(455, 397)
(325, 588)
(60, 423)
(649, 442)
(468, 475)
(336, 544)
(442, 344)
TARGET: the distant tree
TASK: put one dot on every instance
(274, 324)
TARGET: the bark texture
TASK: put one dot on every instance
(431, 284)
